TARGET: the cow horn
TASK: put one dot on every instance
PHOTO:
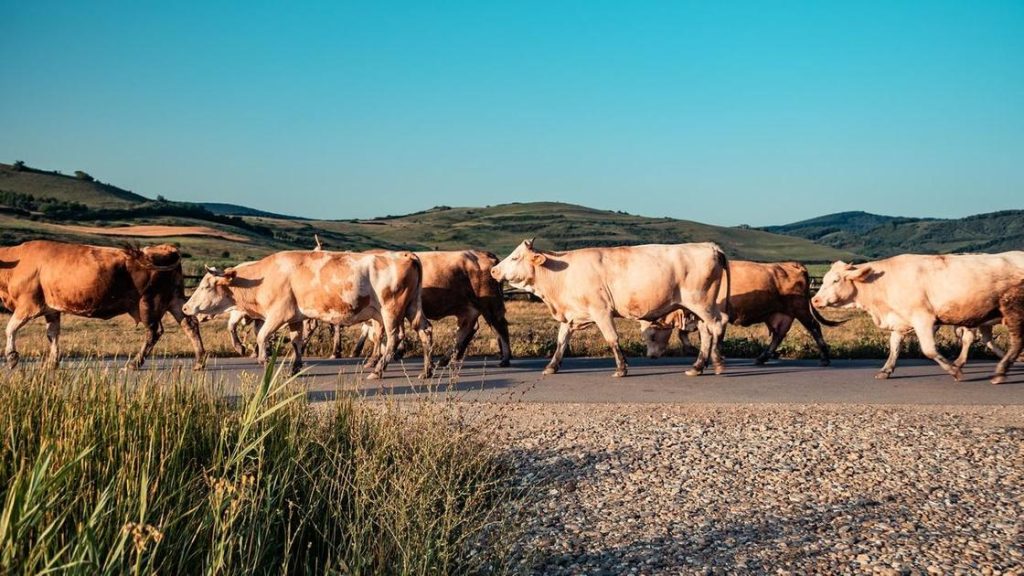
(529, 242)
(213, 270)
(319, 246)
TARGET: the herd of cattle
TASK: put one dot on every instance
(668, 288)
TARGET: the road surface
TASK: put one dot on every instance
(589, 380)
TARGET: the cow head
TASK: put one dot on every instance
(839, 286)
(520, 267)
(656, 337)
(213, 295)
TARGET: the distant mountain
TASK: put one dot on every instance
(236, 210)
(878, 236)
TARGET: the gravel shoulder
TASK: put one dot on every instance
(723, 489)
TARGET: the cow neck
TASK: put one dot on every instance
(245, 296)
(547, 282)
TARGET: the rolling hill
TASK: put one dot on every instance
(882, 236)
(39, 204)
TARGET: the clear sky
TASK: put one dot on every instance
(723, 112)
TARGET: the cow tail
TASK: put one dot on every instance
(814, 311)
(723, 261)
(415, 310)
(822, 320)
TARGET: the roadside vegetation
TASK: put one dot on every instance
(111, 473)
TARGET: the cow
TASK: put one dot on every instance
(458, 283)
(47, 278)
(288, 288)
(774, 294)
(595, 285)
(917, 292)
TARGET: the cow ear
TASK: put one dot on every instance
(227, 277)
(858, 273)
(538, 259)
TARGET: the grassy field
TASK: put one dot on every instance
(533, 333)
(102, 473)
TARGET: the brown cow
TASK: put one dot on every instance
(458, 283)
(343, 288)
(596, 285)
(774, 294)
(917, 292)
(45, 278)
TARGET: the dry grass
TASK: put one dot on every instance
(105, 473)
(533, 333)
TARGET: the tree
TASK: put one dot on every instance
(19, 165)
(83, 176)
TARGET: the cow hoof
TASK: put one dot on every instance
(694, 372)
(882, 375)
(998, 379)
(719, 370)
(373, 376)
(12, 360)
(760, 361)
(426, 375)
(619, 374)
(296, 368)
(335, 356)
(957, 375)
(549, 370)
(199, 366)
(504, 364)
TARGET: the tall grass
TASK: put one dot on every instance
(105, 473)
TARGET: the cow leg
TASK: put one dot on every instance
(53, 335)
(263, 334)
(191, 328)
(684, 339)
(778, 326)
(814, 329)
(986, 339)
(392, 325)
(426, 335)
(465, 333)
(234, 320)
(895, 341)
(364, 332)
(400, 345)
(154, 330)
(606, 324)
(295, 334)
(373, 332)
(925, 330)
(564, 332)
(13, 325)
(257, 325)
(335, 341)
(494, 315)
(967, 337)
(712, 333)
(1011, 304)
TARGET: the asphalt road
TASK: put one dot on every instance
(589, 380)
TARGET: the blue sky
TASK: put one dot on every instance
(722, 112)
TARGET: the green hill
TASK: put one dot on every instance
(882, 236)
(39, 204)
(81, 187)
(566, 226)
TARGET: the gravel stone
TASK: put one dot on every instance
(766, 489)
